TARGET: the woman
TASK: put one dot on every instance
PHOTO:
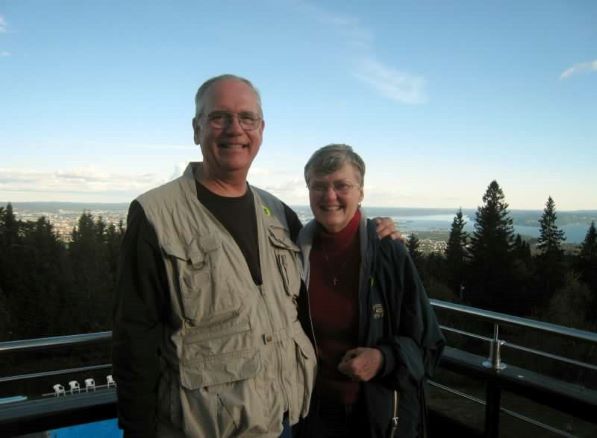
(376, 336)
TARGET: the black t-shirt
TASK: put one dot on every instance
(237, 214)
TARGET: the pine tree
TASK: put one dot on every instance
(47, 281)
(587, 265)
(92, 280)
(9, 227)
(492, 282)
(523, 275)
(456, 254)
(522, 250)
(413, 243)
(12, 271)
(550, 260)
(550, 237)
(588, 249)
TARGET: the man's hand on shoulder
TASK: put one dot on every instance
(387, 227)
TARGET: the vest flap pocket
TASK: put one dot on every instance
(307, 368)
(175, 250)
(305, 346)
(195, 252)
(209, 243)
(198, 278)
(222, 368)
(287, 259)
(279, 238)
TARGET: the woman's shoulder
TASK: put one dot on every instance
(387, 245)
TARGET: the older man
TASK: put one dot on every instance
(207, 341)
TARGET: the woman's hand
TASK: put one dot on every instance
(361, 364)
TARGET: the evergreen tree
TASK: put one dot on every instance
(587, 265)
(550, 236)
(47, 282)
(523, 276)
(456, 254)
(12, 272)
(522, 250)
(33, 276)
(93, 284)
(413, 243)
(113, 239)
(587, 257)
(492, 282)
(550, 260)
(9, 226)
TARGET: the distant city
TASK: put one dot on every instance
(431, 225)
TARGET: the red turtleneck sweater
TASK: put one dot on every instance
(333, 294)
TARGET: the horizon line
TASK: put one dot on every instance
(126, 203)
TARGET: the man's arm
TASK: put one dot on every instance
(141, 297)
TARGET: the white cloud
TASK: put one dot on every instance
(80, 180)
(178, 169)
(583, 67)
(3, 27)
(393, 84)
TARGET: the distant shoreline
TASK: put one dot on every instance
(424, 221)
(413, 210)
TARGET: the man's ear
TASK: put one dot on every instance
(196, 130)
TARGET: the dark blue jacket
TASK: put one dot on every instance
(396, 317)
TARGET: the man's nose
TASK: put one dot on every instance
(233, 125)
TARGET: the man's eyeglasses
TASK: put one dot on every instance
(222, 119)
(340, 187)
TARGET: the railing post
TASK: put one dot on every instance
(493, 392)
(492, 409)
(494, 361)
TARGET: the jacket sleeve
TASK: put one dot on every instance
(414, 349)
(141, 293)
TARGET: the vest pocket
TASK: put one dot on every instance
(307, 367)
(203, 286)
(287, 259)
(221, 397)
(219, 369)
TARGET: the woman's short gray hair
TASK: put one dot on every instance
(202, 91)
(332, 157)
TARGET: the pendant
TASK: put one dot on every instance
(335, 281)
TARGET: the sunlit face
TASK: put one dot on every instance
(230, 148)
(335, 197)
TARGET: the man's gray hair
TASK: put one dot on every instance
(332, 157)
(202, 91)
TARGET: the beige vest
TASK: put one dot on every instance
(235, 355)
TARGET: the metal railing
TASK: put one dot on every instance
(496, 378)
(491, 368)
(54, 342)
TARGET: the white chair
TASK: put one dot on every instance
(74, 386)
(58, 389)
(110, 380)
(89, 384)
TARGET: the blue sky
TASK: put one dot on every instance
(439, 97)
